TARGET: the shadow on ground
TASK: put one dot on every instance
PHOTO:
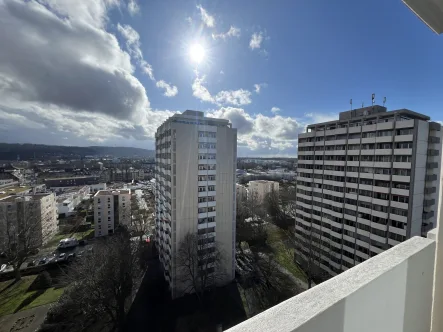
(153, 309)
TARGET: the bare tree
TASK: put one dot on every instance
(22, 231)
(199, 263)
(142, 219)
(101, 287)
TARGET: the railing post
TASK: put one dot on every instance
(437, 299)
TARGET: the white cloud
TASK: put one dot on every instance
(257, 87)
(133, 7)
(256, 40)
(228, 97)
(207, 19)
(232, 32)
(170, 90)
(189, 19)
(63, 73)
(275, 110)
(222, 72)
(133, 46)
(262, 134)
(233, 97)
(200, 91)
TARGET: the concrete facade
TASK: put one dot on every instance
(111, 209)
(195, 189)
(258, 189)
(33, 213)
(367, 182)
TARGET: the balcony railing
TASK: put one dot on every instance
(391, 292)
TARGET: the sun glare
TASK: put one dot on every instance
(197, 53)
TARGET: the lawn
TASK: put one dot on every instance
(283, 254)
(15, 296)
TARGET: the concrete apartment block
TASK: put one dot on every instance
(111, 209)
(195, 189)
(258, 189)
(37, 213)
(367, 182)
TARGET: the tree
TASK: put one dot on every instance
(21, 231)
(100, 288)
(199, 264)
(142, 218)
(250, 226)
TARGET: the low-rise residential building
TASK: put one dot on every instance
(28, 215)
(96, 187)
(260, 188)
(111, 209)
(68, 201)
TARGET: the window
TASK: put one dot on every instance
(403, 159)
(403, 145)
(384, 133)
(201, 189)
(401, 199)
(211, 188)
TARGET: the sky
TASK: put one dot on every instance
(109, 72)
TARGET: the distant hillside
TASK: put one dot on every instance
(39, 151)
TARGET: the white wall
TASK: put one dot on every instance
(391, 292)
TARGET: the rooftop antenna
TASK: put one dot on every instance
(350, 102)
(362, 104)
(384, 101)
(373, 99)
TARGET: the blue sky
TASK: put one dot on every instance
(308, 59)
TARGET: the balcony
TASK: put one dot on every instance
(391, 292)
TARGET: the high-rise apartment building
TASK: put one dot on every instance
(366, 182)
(111, 209)
(195, 190)
(29, 218)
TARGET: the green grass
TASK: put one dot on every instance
(12, 295)
(283, 254)
(50, 295)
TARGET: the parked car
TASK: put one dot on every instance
(42, 261)
(3, 267)
(62, 256)
(67, 243)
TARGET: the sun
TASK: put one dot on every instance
(197, 53)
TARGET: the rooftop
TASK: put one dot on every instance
(12, 190)
(14, 198)
(372, 112)
(112, 192)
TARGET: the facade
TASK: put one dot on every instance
(111, 209)
(366, 183)
(68, 201)
(96, 187)
(258, 189)
(242, 192)
(34, 215)
(195, 189)
(59, 184)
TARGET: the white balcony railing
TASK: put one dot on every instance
(391, 292)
